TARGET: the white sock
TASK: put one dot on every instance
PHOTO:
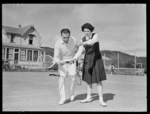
(89, 96)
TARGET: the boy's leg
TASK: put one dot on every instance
(72, 71)
(62, 88)
(62, 72)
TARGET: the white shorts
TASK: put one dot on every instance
(67, 69)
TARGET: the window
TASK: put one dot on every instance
(12, 36)
(29, 56)
(23, 55)
(30, 39)
(9, 53)
(16, 50)
(3, 53)
(35, 55)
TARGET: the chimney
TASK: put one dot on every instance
(19, 25)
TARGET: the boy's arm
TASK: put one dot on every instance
(57, 54)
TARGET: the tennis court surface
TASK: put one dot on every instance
(37, 91)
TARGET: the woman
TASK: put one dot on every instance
(93, 68)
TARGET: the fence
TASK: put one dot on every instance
(34, 68)
(125, 71)
(118, 71)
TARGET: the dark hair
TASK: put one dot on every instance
(88, 26)
(65, 30)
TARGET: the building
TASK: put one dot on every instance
(21, 45)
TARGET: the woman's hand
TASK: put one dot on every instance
(80, 44)
(84, 43)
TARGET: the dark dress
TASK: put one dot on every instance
(93, 68)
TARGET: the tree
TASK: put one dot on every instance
(129, 64)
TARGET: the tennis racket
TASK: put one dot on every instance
(46, 61)
(79, 73)
(78, 79)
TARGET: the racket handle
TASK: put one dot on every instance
(71, 62)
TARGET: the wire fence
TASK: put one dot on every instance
(125, 71)
(40, 68)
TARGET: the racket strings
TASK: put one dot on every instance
(46, 60)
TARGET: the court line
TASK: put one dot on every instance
(57, 77)
(27, 81)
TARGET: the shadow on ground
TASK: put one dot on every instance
(106, 97)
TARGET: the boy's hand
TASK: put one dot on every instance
(73, 59)
(62, 62)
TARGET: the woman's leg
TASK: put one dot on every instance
(100, 92)
(89, 92)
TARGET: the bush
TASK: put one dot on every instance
(145, 70)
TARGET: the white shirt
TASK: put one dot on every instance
(64, 51)
(89, 42)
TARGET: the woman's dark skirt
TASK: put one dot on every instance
(93, 69)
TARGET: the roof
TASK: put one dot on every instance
(20, 31)
(21, 46)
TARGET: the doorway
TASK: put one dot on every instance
(16, 56)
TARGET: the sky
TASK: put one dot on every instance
(121, 27)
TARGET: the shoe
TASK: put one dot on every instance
(61, 102)
(86, 100)
(72, 97)
(102, 103)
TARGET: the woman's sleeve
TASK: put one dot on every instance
(93, 40)
(79, 52)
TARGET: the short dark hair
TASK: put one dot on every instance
(88, 26)
(65, 30)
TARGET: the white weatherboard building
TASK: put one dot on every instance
(21, 45)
